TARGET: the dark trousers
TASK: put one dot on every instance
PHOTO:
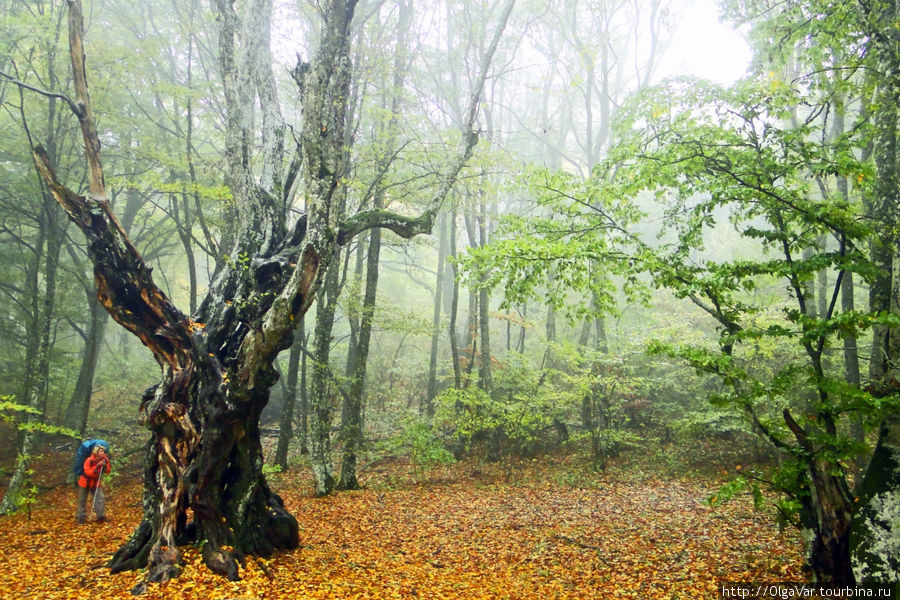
(86, 495)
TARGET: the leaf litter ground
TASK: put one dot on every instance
(463, 534)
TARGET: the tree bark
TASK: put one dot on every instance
(352, 413)
(472, 341)
(873, 539)
(323, 388)
(304, 393)
(828, 513)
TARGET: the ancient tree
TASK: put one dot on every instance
(203, 478)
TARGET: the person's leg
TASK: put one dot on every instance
(82, 500)
(100, 505)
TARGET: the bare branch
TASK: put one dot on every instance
(75, 108)
(469, 134)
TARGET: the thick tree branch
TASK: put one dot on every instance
(405, 227)
(84, 114)
(86, 119)
(124, 283)
(799, 432)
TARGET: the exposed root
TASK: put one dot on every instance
(221, 562)
(163, 564)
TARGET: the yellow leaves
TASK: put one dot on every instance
(776, 82)
(194, 325)
(463, 538)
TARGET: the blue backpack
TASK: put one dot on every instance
(84, 450)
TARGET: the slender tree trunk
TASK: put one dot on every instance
(436, 318)
(304, 393)
(484, 368)
(876, 550)
(46, 250)
(285, 428)
(454, 304)
(352, 413)
(323, 388)
(520, 344)
(37, 385)
(183, 225)
(809, 287)
(472, 318)
(585, 335)
(80, 403)
(352, 429)
(352, 317)
(550, 326)
(822, 281)
(882, 205)
(602, 344)
(851, 353)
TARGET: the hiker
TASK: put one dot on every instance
(90, 485)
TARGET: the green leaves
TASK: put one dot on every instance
(13, 412)
(424, 448)
(575, 240)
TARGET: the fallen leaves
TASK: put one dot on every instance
(460, 539)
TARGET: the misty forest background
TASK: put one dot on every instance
(631, 269)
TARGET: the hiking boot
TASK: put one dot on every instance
(102, 519)
(79, 520)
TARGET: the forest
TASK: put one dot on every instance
(449, 298)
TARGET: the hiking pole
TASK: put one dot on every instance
(94, 503)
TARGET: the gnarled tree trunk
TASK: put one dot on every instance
(216, 366)
(204, 458)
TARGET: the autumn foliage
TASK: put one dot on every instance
(465, 533)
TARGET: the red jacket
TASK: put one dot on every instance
(92, 471)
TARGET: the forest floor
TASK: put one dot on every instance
(542, 529)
